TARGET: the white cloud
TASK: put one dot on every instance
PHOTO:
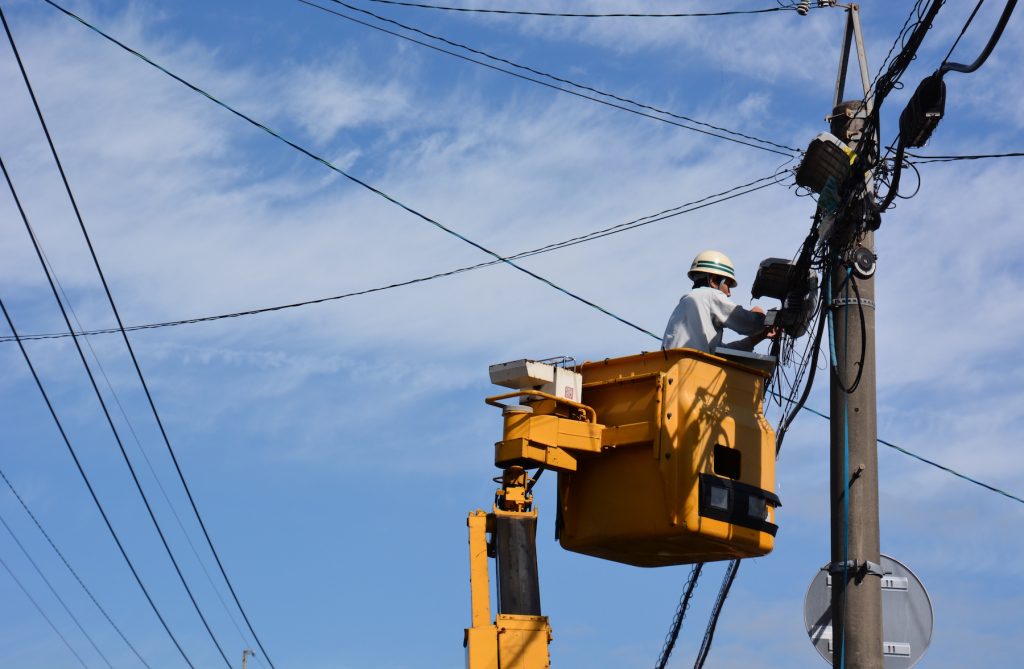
(193, 213)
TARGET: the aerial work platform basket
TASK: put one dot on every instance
(663, 458)
(686, 471)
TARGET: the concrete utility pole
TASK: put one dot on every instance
(245, 654)
(856, 554)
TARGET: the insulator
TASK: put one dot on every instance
(803, 7)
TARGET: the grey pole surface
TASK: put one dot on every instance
(857, 601)
(856, 551)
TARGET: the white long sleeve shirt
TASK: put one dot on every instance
(700, 317)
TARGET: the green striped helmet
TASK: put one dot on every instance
(713, 262)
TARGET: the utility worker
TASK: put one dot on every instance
(702, 314)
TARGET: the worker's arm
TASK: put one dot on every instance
(738, 319)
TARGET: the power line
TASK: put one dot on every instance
(947, 159)
(85, 478)
(106, 411)
(553, 77)
(43, 614)
(677, 619)
(67, 564)
(331, 166)
(138, 370)
(53, 590)
(933, 463)
(963, 31)
(666, 214)
(354, 179)
(142, 451)
(478, 10)
(709, 633)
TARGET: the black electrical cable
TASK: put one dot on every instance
(480, 10)
(815, 351)
(145, 456)
(376, 191)
(963, 31)
(135, 363)
(677, 619)
(709, 634)
(43, 614)
(917, 190)
(53, 590)
(71, 569)
(922, 160)
(666, 214)
(88, 484)
(863, 341)
(997, 33)
(103, 406)
(553, 77)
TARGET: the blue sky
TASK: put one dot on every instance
(335, 450)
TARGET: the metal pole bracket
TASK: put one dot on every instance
(847, 301)
(860, 569)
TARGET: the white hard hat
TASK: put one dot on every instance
(713, 262)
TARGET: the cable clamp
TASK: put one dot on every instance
(846, 301)
(860, 569)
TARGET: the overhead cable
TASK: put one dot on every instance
(310, 154)
(43, 614)
(88, 483)
(56, 594)
(135, 363)
(517, 12)
(142, 452)
(963, 30)
(355, 179)
(716, 612)
(717, 129)
(695, 205)
(925, 460)
(920, 159)
(997, 33)
(677, 619)
(71, 569)
(103, 406)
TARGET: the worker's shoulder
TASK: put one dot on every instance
(708, 294)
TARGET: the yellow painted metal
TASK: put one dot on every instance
(523, 642)
(481, 640)
(589, 411)
(522, 452)
(481, 645)
(511, 641)
(535, 439)
(664, 414)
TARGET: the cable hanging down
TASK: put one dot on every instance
(677, 619)
(709, 633)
